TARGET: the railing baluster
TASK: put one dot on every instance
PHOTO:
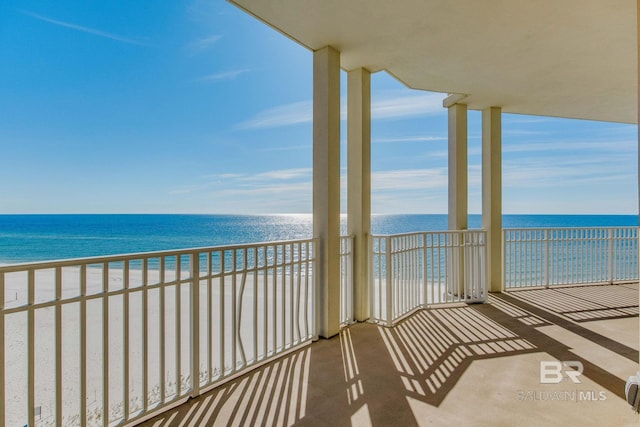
(178, 326)
(162, 332)
(3, 412)
(210, 315)
(83, 344)
(290, 266)
(274, 288)
(31, 336)
(234, 323)
(612, 253)
(145, 334)
(194, 315)
(222, 327)
(546, 258)
(265, 291)
(283, 302)
(255, 304)
(105, 344)
(125, 347)
(298, 290)
(58, 339)
(389, 283)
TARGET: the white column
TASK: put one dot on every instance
(458, 190)
(359, 184)
(326, 187)
(458, 167)
(492, 193)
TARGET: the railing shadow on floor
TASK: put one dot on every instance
(274, 394)
(432, 349)
(572, 306)
(585, 303)
(369, 374)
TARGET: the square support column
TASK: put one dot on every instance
(492, 193)
(458, 186)
(458, 194)
(359, 184)
(326, 188)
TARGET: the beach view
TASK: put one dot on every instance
(206, 220)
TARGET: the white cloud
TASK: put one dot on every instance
(275, 191)
(425, 138)
(284, 115)
(285, 148)
(546, 172)
(203, 43)
(83, 29)
(225, 75)
(574, 146)
(389, 107)
(404, 106)
(280, 175)
(409, 179)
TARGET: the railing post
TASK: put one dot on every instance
(425, 272)
(546, 258)
(389, 280)
(372, 275)
(464, 258)
(194, 304)
(2, 344)
(612, 253)
(504, 260)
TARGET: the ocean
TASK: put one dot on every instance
(29, 238)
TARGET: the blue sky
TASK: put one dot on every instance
(196, 107)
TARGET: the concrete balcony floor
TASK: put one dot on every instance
(476, 365)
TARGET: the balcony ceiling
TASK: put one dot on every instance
(562, 58)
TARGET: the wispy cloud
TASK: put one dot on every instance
(522, 119)
(225, 75)
(572, 146)
(284, 115)
(280, 175)
(388, 107)
(408, 139)
(247, 181)
(522, 132)
(203, 43)
(84, 29)
(409, 179)
(285, 148)
(276, 190)
(405, 106)
(543, 172)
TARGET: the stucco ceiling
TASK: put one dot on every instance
(564, 58)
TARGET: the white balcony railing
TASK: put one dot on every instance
(416, 270)
(108, 340)
(98, 341)
(563, 256)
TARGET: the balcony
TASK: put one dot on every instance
(225, 335)
(463, 365)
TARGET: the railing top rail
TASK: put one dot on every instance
(413, 233)
(72, 262)
(600, 227)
